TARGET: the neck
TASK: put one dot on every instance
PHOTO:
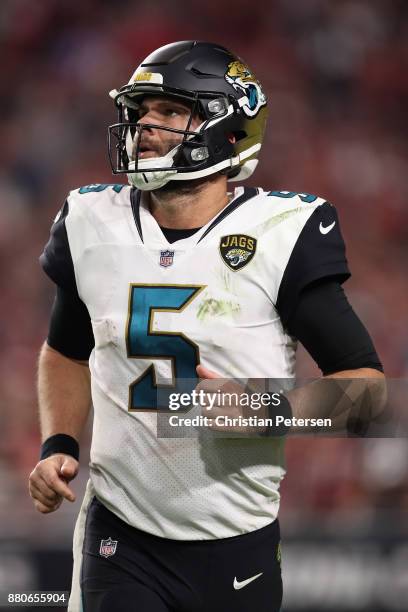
(189, 204)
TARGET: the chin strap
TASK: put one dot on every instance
(147, 181)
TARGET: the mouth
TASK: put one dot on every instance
(146, 151)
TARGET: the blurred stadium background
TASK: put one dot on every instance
(336, 73)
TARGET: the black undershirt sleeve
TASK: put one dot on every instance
(319, 253)
(70, 331)
(312, 304)
(329, 329)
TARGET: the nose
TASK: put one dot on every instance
(144, 121)
(149, 117)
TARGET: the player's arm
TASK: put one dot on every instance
(63, 377)
(64, 403)
(64, 398)
(330, 330)
(314, 309)
(64, 395)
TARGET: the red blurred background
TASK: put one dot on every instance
(336, 75)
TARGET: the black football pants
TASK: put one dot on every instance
(127, 570)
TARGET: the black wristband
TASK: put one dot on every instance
(282, 410)
(60, 443)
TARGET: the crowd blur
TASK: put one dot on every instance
(335, 73)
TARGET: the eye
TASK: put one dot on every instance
(172, 112)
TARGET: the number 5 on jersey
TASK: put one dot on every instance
(144, 343)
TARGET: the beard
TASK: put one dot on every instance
(159, 148)
(186, 188)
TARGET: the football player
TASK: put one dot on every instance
(161, 280)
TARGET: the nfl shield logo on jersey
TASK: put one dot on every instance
(108, 547)
(237, 250)
(166, 258)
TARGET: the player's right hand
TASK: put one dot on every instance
(48, 482)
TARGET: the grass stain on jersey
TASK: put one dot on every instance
(211, 307)
(276, 219)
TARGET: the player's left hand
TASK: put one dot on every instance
(213, 383)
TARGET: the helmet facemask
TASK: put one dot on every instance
(187, 152)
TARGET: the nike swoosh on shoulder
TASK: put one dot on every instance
(241, 584)
(326, 230)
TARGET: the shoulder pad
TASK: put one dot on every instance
(98, 187)
(91, 194)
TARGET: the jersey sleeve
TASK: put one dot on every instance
(319, 253)
(70, 330)
(56, 259)
(325, 323)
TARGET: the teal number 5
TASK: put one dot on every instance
(305, 197)
(143, 342)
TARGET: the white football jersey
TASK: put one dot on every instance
(220, 297)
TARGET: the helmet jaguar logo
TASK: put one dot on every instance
(237, 250)
(243, 81)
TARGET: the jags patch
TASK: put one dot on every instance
(237, 250)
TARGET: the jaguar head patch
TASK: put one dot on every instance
(237, 250)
